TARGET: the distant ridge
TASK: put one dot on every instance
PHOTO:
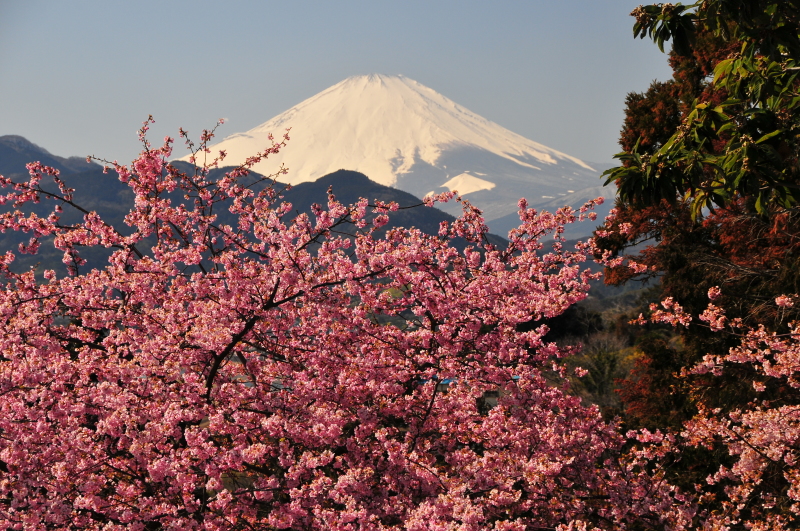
(408, 136)
(17, 151)
(113, 199)
(349, 186)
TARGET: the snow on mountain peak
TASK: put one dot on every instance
(401, 133)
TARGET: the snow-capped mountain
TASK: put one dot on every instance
(405, 135)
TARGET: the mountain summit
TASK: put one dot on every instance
(403, 134)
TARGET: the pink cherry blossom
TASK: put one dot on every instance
(761, 488)
(294, 371)
(714, 293)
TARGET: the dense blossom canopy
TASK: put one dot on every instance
(313, 372)
(233, 364)
(291, 371)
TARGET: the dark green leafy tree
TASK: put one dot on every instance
(757, 123)
(709, 175)
(709, 186)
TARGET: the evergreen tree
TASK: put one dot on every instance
(709, 178)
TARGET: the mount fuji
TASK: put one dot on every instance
(403, 134)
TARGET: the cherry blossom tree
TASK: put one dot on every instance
(294, 371)
(756, 485)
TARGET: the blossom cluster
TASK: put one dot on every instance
(294, 371)
(761, 481)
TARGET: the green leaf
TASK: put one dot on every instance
(760, 203)
(769, 135)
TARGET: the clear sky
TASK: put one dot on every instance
(79, 77)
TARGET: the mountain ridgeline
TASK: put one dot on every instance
(17, 151)
(349, 186)
(112, 199)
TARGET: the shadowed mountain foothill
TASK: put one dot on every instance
(105, 194)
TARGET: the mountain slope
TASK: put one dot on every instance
(408, 136)
(350, 186)
(112, 199)
(17, 151)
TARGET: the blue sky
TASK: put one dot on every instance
(79, 77)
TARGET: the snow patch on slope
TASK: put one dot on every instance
(466, 184)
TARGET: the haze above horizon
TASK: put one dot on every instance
(78, 78)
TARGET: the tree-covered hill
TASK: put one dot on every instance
(17, 151)
(105, 194)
